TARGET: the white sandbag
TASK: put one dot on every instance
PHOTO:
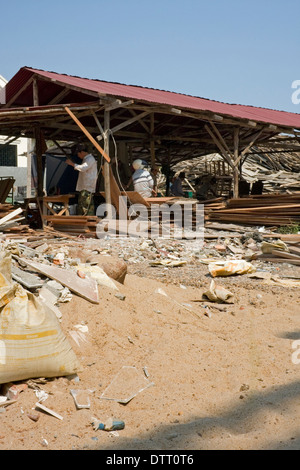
(32, 343)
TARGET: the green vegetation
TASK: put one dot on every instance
(293, 228)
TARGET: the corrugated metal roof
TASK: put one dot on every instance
(150, 95)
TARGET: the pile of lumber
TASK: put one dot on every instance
(9, 217)
(74, 224)
(266, 210)
(12, 222)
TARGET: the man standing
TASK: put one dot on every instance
(87, 179)
(154, 173)
(176, 188)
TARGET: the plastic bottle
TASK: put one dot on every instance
(109, 425)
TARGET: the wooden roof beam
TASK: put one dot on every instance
(88, 135)
(126, 123)
(60, 96)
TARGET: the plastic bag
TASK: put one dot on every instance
(218, 294)
(230, 267)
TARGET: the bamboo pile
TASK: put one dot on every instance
(265, 210)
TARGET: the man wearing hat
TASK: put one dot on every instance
(141, 178)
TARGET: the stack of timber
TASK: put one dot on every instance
(11, 218)
(266, 210)
(75, 225)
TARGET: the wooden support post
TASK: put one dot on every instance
(29, 157)
(152, 146)
(250, 144)
(39, 162)
(221, 148)
(35, 93)
(221, 139)
(106, 169)
(236, 163)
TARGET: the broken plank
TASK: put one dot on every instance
(285, 254)
(270, 259)
(10, 216)
(41, 407)
(86, 288)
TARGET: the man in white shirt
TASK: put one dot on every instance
(87, 179)
(142, 180)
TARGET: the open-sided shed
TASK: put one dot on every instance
(161, 126)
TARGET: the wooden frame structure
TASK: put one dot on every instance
(48, 106)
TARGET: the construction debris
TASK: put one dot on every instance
(86, 288)
(48, 263)
(266, 210)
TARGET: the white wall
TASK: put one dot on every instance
(2, 90)
(22, 143)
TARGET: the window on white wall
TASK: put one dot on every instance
(8, 155)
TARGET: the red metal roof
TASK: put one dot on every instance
(150, 95)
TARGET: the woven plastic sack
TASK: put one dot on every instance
(32, 343)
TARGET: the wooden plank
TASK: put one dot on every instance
(280, 260)
(89, 136)
(294, 250)
(10, 216)
(285, 254)
(135, 198)
(86, 288)
(41, 407)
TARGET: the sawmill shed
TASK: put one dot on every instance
(159, 126)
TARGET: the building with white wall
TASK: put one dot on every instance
(13, 157)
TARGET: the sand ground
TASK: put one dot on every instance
(219, 379)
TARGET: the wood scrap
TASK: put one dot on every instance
(266, 210)
(86, 288)
(44, 408)
(10, 216)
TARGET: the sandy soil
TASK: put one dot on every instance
(222, 378)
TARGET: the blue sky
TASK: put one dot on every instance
(244, 52)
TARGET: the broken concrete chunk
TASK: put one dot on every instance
(28, 280)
